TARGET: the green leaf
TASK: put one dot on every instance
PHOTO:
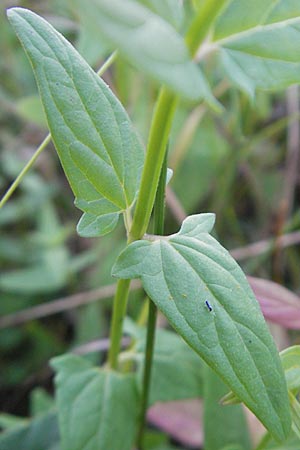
(40, 402)
(97, 408)
(167, 373)
(100, 153)
(30, 108)
(49, 270)
(223, 426)
(170, 10)
(205, 295)
(40, 433)
(293, 443)
(90, 48)
(151, 45)
(259, 43)
(8, 421)
(290, 359)
(295, 408)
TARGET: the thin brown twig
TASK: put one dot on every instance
(60, 305)
(188, 131)
(175, 205)
(263, 246)
(286, 204)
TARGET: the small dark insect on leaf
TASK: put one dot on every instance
(208, 305)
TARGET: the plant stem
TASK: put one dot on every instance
(158, 138)
(264, 442)
(107, 63)
(201, 24)
(24, 171)
(119, 309)
(159, 207)
(157, 143)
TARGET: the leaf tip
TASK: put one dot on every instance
(14, 11)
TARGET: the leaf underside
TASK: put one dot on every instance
(205, 295)
(98, 148)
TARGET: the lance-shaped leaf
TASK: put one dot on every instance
(206, 297)
(259, 43)
(97, 409)
(100, 153)
(151, 44)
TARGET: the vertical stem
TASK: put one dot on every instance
(266, 439)
(159, 207)
(156, 149)
(119, 309)
(200, 26)
(158, 138)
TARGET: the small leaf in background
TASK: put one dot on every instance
(295, 409)
(100, 153)
(31, 109)
(40, 402)
(36, 434)
(166, 378)
(8, 421)
(50, 269)
(152, 45)
(278, 304)
(290, 358)
(170, 10)
(109, 400)
(223, 425)
(258, 43)
(205, 295)
(90, 48)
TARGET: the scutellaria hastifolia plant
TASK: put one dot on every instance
(188, 276)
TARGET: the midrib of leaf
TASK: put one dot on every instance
(87, 385)
(78, 138)
(269, 11)
(212, 46)
(106, 391)
(112, 165)
(228, 357)
(77, 397)
(261, 27)
(263, 58)
(102, 405)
